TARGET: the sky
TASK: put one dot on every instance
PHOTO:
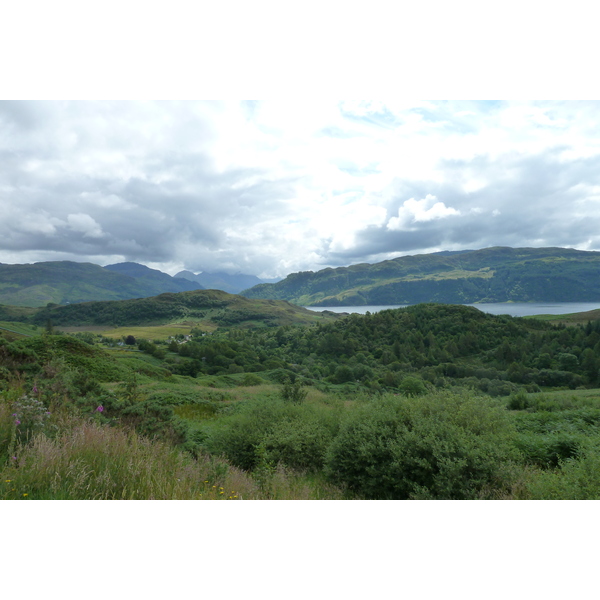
(273, 187)
(92, 170)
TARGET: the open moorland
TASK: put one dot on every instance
(204, 395)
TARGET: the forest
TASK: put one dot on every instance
(431, 401)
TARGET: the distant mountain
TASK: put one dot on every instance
(66, 282)
(490, 275)
(156, 282)
(222, 281)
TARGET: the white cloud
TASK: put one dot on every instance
(84, 224)
(420, 211)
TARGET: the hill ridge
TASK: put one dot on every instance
(496, 274)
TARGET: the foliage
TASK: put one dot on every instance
(297, 435)
(293, 392)
(577, 478)
(440, 446)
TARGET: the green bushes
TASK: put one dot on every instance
(296, 435)
(440, 446)
(577, 478)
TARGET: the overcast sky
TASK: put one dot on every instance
(269, 188)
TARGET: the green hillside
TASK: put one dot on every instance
(488, 275)
(214, 306)
(66, 282)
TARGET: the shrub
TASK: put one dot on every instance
(296, 435)
(577, 478)
(293, 392)
(437, 446)
(412, 386)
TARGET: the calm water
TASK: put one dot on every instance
(516, 309)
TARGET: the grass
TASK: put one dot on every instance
(570, 318)
(157, 332)
(20, 329)
(90, 461)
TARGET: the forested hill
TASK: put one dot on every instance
(214, 306)
(67, 282)
(489, 275)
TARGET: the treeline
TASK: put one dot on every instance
(440, 344)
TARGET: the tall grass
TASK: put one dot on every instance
(90, 461)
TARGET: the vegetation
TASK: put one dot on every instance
(426, 402)
(212, 308)
(489, 275)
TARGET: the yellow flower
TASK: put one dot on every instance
(25, 494)
(7, 480)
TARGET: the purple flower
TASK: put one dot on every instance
(100, 408)
(17, 422)
(35, 390)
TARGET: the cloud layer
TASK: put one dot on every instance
(268, 188)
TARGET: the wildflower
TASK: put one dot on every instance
(25, 495)
(17, 422)
(35, 390)
(100, 408)
(7, 480)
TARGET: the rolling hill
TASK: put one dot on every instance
(490, 275)
(214, 306)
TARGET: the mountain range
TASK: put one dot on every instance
(498, 274)
(67, 282)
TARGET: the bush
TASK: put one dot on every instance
(412, 386)
(578, 478)
(296, 435)
(293, 392)
(441, 446)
